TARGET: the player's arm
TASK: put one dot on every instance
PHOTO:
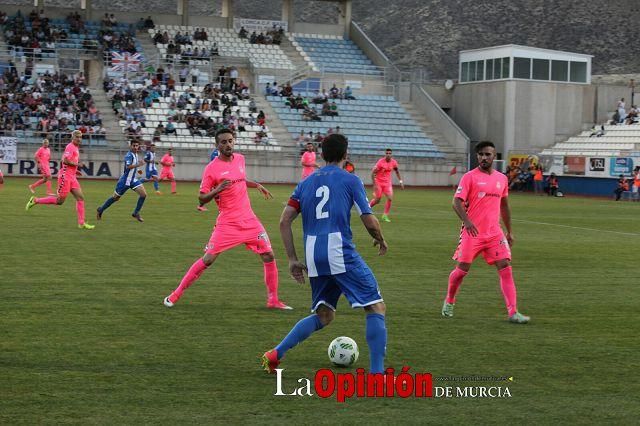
(372, 225)
(296, 268)
(399, 177)
(206, 197)
(264, 191)
(68, 162)
(374, 172)
(458, 207)
(505, 213)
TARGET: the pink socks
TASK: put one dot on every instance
(189, 278)
(51, 199)
(387, 207)
(455, 279)
(173, 186)
(271, 280)
(80, 211)
(48, 183)
(508, 289)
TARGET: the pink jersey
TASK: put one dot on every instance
(71, 153)
(383, 169)
(482, 194)
(166, 159)
(233, 202)
(43, 155)
(308, 163)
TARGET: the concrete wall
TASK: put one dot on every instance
(268, 168)
(442, 96)
(311, 28)
(607, 97)
(522, 115)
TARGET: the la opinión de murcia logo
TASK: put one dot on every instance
(343, 386)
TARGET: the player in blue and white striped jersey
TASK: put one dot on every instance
(151, 169)
(128, 181)
(325, 199)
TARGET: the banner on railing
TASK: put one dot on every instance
(125, 61)
(8, 150)
(258, 25)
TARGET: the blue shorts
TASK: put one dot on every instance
(151, 173)
(358, 285)
(122, 187)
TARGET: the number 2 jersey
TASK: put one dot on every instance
(325, 200)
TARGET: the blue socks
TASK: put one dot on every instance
(377, 341)
(139, 205)
(155, 185)
(303, 329)
(107, 204)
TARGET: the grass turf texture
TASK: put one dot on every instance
(85, 337)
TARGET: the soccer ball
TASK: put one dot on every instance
(343, 351)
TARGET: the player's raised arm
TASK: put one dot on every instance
(296, 268)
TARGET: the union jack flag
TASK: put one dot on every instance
(125, 61)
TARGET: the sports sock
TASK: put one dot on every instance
(107, 204)
(508, 289)
(303, 329)
(139, 204)
(156, 185)
(173, 186)
(51, 199)
(48, 183)
(38, 183)
(377, 341)
(271, 280)
(189, 278)
(387, 207)
(455, 279)
(80, 211)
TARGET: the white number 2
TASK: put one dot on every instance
(323, 192)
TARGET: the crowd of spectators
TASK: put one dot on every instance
(315, 138)
(189, 106)
(622, 116)
(329, 108)
(272, 36)
(51, 105)
(180, 47)
(41, 36)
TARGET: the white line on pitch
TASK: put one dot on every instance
(577, 227)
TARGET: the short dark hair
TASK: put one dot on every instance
(388, 149)
(484, 144)
(334, 148)
(134, 141)
(223, 131)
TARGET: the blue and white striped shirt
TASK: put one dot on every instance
(324, 200)
(150, 158)
(129, 175)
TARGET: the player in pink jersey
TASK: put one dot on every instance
(67, 181)
(382, 181)
(42, 157)
(308, 161)
(480, 201)
(224, 180)
(167, 170)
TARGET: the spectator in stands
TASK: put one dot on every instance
(267, 90)
(195, 74)
(261, 119)
(348, 93)
(330, 110)
(233, 77)
(622, 186)
(310, 114)
(222, 72)
(158, 132)
(632, 117)
(597, 131)
(243, 33)
(214, 51)
(253, 39)
(622, 113)
(261, 137)
(319, 98)
(287, 91)
(148, 23)
(333, 92)
(170, 128)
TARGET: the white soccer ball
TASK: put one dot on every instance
(343, 351)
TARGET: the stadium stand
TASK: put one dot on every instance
(227, 43)
(333, 54)
(195, 113)
(617, 140)
(38, 34)
(370, 122)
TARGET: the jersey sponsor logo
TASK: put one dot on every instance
(482, 183)
(498, 185)
(481, 194)
(263, 236)
(224, 173)
(459, 190)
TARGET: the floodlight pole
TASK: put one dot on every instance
(632, 85)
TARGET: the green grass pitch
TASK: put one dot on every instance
(85, 339)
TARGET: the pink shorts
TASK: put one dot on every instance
(380, 189)
(250, 232)
(167, 174)
(45, 170)
(66, 184)
(493, 248)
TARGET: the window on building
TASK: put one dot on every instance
(559, 70)
(522, 68)
(578, 72)
(472, 71)
(479, 70)
(505, 68)
(464, 73)
(540, 69)
(489, 72)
